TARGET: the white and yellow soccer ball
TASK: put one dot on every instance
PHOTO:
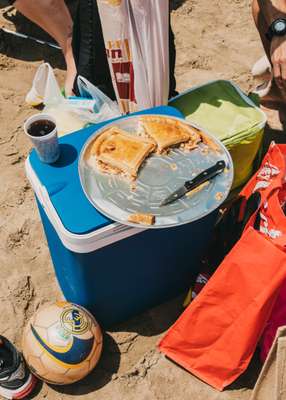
(62, 343)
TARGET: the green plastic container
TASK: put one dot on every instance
(225, 111)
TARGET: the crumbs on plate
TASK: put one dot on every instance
(219, 196)
(205, 151)
(142, 219)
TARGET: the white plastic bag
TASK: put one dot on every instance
(149, 33)
(104, 107)
(45, 88)
(136, 35)
(70, 117)
(66, 120)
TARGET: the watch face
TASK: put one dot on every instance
(280, 27)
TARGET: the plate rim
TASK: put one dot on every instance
(144, 227)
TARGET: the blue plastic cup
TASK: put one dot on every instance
(46, 146)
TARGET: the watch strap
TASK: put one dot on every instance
(271, 32)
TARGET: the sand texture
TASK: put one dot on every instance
(215, 39)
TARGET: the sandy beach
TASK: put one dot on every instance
(214, 39)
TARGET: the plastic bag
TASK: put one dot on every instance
(45, 88)
(136, 35)
(69, 115)
(149, 32)
(66, 120)
(216, 336)
(104, 107)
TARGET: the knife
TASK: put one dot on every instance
(194, 183)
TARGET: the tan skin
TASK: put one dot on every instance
(54, 17)
(264, 13)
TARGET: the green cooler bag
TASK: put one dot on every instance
(221, 108)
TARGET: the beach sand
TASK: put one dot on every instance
(215, 39)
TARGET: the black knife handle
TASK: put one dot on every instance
(206, 175)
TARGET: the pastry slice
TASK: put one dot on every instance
(209, 142)
(166, 132)
(143, 219)
(117, 152)
(194, 139)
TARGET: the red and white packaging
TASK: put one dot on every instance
(137, 45)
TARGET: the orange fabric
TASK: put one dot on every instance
(276, 157)
(216, 336)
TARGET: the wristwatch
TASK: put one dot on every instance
(277, 28)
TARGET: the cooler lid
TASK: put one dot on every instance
(61, 180)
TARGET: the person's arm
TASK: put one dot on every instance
(272, 10)
(53, 16)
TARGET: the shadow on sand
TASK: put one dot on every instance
(26, 49)
(100, 376)
(175, 4)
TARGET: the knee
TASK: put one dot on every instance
(53, 5)
(46, 5)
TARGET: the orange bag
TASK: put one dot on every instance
(216, 336)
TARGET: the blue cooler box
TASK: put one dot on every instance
(113, 270)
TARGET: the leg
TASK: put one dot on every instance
(172, 52)
(53, 16)
(274, 96)
(261, 26)
(89, 48)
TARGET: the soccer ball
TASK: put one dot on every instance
(62, 343)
